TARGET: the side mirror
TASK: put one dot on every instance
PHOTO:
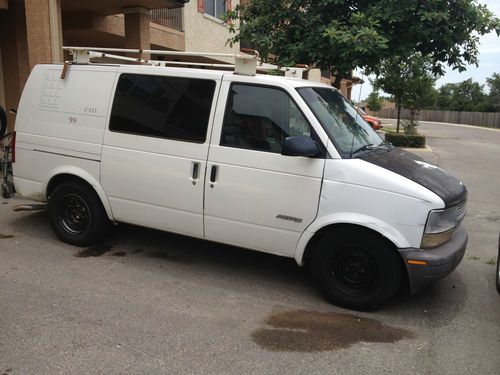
(300, 145)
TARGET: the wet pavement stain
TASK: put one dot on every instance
(119, 254)
(137, 251)
(167, 255)
(4, 236)
(310, 331)
(94, 251)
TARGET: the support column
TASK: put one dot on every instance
(2, 91)
(137, 29)
(14, 56)
(43, 19)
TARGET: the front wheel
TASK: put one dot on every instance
(77, 215)
(356, 268)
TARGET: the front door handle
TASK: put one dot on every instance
(213, 173)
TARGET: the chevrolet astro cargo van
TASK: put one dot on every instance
(274, 164)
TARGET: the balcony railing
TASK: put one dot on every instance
(172, 18)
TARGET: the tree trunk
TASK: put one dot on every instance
(413, 113)
(399, 117)
(337, 81)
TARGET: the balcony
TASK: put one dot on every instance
(169, 17)
(108, 7)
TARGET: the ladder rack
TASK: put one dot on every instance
(245, 63)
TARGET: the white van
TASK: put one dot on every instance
(274, 164)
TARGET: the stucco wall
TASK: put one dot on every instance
(204, 33)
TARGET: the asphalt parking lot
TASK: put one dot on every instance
(156, 303)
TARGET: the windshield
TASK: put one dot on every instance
(360, 110)
(344, 125)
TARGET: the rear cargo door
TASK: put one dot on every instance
(156, 146)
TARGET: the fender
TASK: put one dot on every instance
(84, 175)
(377, 225)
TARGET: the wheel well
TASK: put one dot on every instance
(339, 227)
(60, 178)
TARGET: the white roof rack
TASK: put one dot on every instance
(245, 63)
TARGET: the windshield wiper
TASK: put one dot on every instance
(362, 148)
(385, 144)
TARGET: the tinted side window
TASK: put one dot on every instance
(167, 107)
(260, 118)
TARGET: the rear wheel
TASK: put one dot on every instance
(356, 268)
(77, 215)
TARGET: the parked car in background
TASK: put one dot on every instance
(374, 122)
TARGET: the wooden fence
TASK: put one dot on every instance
(488, 119)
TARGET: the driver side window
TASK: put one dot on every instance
(260, 118)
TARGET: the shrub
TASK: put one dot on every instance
(406, 140)
(409, 127)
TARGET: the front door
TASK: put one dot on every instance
(254, 196)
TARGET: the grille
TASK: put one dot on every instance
(461, 211)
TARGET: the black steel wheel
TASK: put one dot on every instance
(353, 268)
(356, 268)
(76, 214)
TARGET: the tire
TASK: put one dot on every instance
(356, 268)
(77, 215)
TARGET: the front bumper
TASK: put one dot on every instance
(440, 260)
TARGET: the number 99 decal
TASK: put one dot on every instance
(72, 119)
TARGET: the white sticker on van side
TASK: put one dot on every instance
(52, 90)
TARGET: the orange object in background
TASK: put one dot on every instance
(374, 122)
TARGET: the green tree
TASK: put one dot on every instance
(374, 102)
(444, 96)
(467, 95)
(494, 96)
(341, 35)
(410, 82)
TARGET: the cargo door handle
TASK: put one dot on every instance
(213, 175)
(196, 170)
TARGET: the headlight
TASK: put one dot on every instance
(441, 225)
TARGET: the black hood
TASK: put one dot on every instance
(447, 187)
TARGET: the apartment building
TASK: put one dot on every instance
(34, 31)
